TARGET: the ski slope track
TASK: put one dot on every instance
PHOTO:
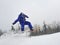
(24, 39)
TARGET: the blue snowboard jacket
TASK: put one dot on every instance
(21, 18)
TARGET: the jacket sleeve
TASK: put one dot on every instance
(26, 16)
(15, 21)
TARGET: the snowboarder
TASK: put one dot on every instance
(22, 20)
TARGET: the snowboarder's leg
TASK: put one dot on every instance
(29, 24)
(22, 27)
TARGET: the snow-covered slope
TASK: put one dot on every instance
(22, 39)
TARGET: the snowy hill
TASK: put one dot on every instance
(22, 39)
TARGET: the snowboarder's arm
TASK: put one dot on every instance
(26, 16)
(15, 21)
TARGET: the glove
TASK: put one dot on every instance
(12, 23)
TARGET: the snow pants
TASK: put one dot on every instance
(26, 23)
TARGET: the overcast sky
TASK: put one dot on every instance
(37, 10)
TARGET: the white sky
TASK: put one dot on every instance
(37, 10)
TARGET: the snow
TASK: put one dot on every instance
(23, 39)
